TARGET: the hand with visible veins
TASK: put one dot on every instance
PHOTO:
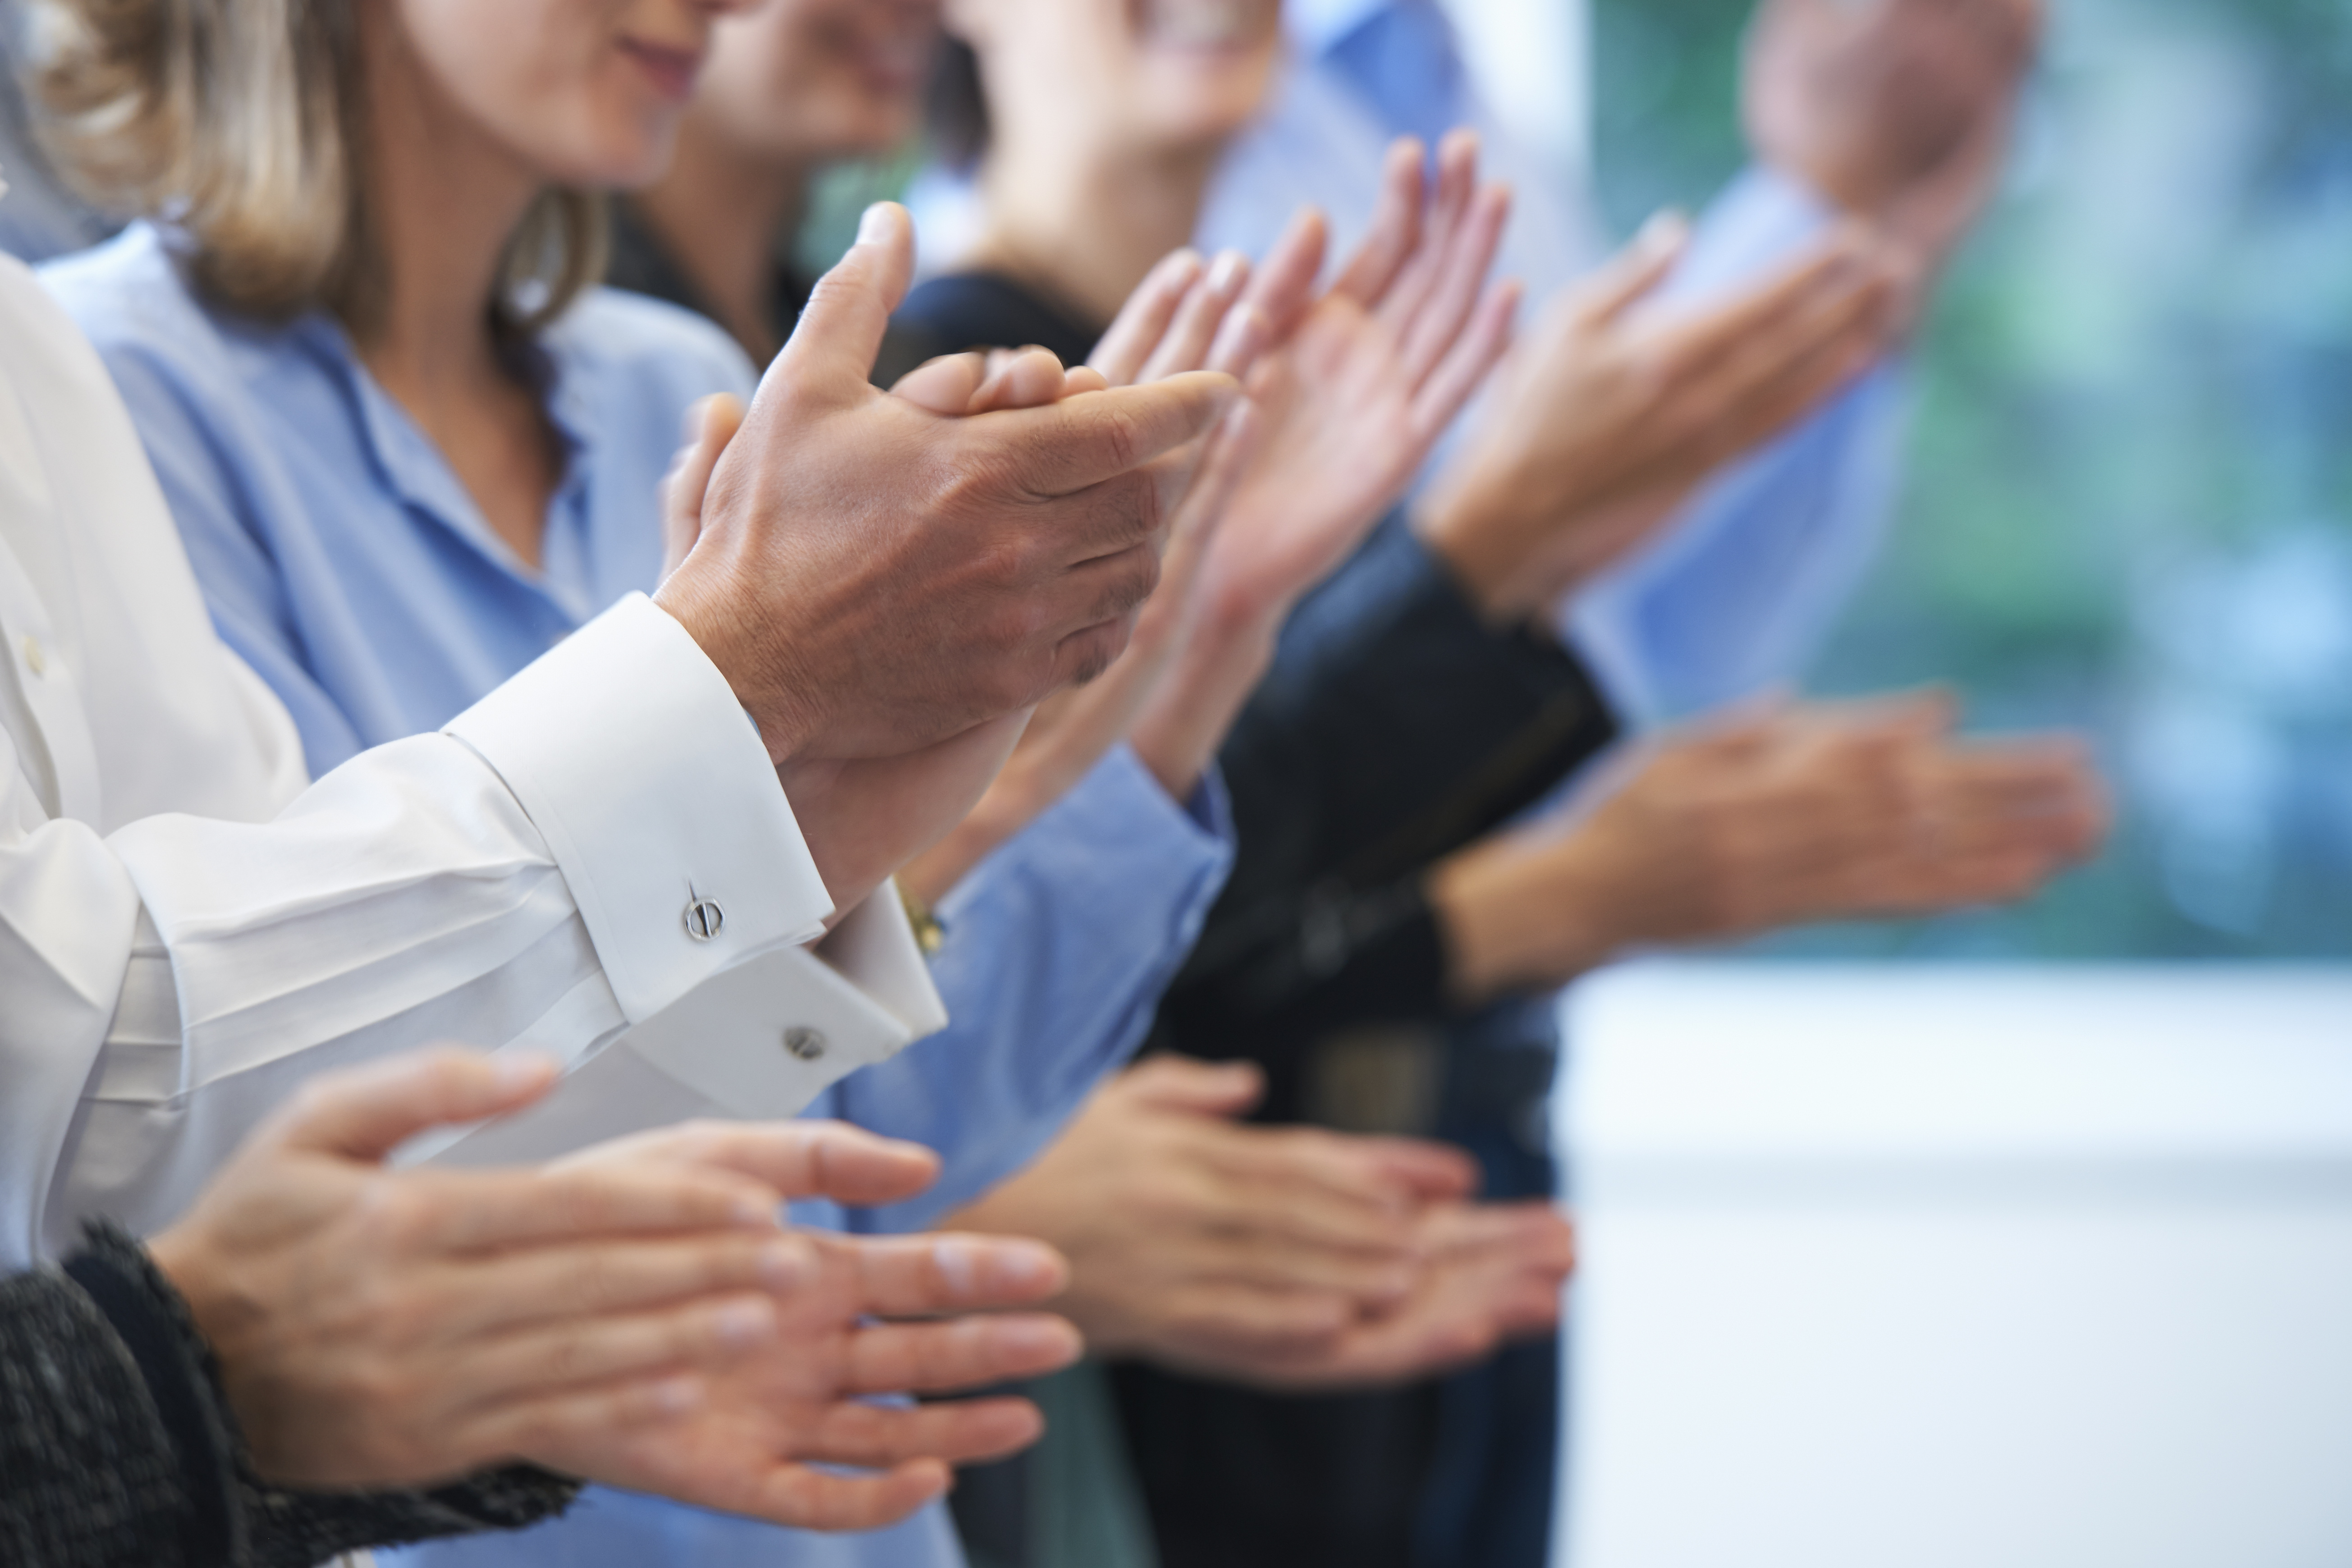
(1770, 819)
(889, 589)
(612, 1316)
(1611, 410)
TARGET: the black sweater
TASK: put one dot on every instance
(117, 1448)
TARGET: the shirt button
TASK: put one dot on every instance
(36, 658)
(805, 1043)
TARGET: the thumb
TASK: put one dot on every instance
(1205, 1088)
(1641, 266)
(367, 1112)
(840, 330)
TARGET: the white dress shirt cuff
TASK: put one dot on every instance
(635, 763)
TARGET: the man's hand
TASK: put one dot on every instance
(1609, 413)
(1194, 1240)
(873, 577)
(1771, 819)
(380, 1328)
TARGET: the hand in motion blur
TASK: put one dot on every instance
(1771, 819)
(889, 589)
(611, 1316)
(1609, 411)
(1288, 1257)
(1898, 111)
(1349, 392)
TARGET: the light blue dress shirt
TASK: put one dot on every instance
(342, 558)
(1738, 592)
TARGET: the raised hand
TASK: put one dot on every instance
(873, 577)
(1770, 819)
(1610, 413)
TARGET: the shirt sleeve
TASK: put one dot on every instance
(576, 857)
(1739, 593)
(1059, 946)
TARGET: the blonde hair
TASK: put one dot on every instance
(242, 125)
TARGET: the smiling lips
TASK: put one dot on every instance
(671, 71)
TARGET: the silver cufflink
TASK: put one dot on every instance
(805, 1043)
(704, 917)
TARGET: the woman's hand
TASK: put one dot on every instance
(1610, 413)
(1771, 819)
(1289, 1258)
(380, 1328)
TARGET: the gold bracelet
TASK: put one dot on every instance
(930, 935)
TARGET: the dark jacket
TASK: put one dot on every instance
(1394, 728)
(117, 1448)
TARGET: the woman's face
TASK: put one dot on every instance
(806, 82)
(584, 92)
(1158, 75)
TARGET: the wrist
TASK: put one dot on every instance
(744, 656)
(1516, 914)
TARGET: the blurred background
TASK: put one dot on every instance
(2129, 501)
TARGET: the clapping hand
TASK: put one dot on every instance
(636, 1314)
(1611, 410)
(1768, 819)
(1288, 1256)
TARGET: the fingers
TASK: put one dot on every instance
(710, 424)
(1180, 1083)
(840, 332)
(1189, 337)
(945, 386)
(921, 1276)
(1022, 378)
(959, 1431)
(1278, 295)
(808, 1498)
(799, 1159)
(1143, 320)
(1635, 270)
(479, 1211)
(1458, 283)
(1431, 1172)
(1449, 207)
(1083, 441)
(1395, 228)
(1467, 363)
(368, 1112)
(962, 1352)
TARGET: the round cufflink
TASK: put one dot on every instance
(704, 918)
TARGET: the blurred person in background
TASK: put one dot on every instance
(323, 1355)
(1368, 901)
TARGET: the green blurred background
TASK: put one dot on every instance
(2128, 506)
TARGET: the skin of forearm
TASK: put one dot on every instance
(1223, 661)
(1515, 917)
